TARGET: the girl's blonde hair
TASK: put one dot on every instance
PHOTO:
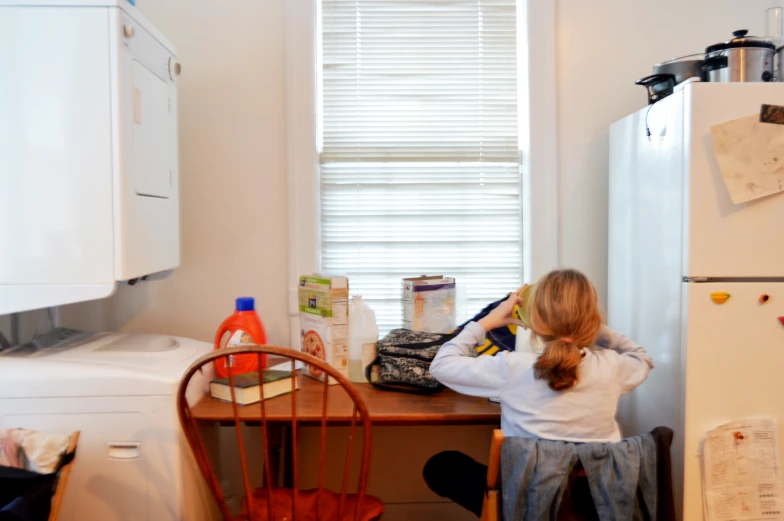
(564, 316)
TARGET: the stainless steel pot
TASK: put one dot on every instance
(742, 59)
(682, 68)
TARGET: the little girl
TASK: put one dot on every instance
(569, 391)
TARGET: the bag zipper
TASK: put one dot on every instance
(412, 356)
(422, 345)
(416, 347)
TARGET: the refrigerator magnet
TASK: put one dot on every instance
(764, 298)
(719, 297)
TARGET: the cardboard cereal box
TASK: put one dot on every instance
(323, 320)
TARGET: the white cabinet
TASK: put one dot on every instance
(89, 190)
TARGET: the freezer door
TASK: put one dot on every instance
(734, 365)
(723, 239)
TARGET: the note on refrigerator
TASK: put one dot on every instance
(750, 155)
(741, 477)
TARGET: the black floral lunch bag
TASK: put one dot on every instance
(403, 362)
(404, 356)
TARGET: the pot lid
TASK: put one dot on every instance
(741, 40)
(688, 58)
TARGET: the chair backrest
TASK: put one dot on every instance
(197, 443)
(494, 464)
(577, 502)
(491, 508)
(62, 478)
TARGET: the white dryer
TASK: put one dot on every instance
(119, 390)
(89, 168)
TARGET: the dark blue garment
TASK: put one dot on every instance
(496, 340)
(627, 479)
(25, 495)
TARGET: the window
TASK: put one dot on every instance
(419, 154)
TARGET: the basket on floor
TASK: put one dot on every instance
(34, 471)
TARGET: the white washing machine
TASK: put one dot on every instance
(119, 390)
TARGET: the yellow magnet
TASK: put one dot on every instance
(720, 297)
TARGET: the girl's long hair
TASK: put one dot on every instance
(565, 316)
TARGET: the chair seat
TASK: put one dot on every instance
(307, 505)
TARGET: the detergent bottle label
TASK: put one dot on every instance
(239, 338)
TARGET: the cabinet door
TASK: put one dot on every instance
(56, 236)
(152, 112)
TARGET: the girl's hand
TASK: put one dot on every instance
(605, 338)
(502, 315)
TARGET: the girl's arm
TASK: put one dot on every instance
(634, 364)
(457, 366)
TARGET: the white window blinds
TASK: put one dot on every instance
(419, 147)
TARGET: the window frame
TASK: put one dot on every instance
(540, 193)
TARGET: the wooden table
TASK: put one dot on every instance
(385, 408)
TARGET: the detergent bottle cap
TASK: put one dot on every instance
(245, 304)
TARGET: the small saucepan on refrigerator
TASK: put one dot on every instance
(666, 75)
(659, 86)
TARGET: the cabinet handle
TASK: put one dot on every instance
(123, 449)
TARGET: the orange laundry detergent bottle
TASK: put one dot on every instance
(243, 327)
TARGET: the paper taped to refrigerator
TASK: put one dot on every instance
(742, 472)
(751, 157)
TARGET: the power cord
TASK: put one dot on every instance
(648, 128)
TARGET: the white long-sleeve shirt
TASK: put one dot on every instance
(529, 408)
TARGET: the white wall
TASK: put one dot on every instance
(233, 172)
(232, 176)
(232, 139)
(234, 222)
(603, 47)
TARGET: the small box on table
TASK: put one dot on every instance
(429, 304)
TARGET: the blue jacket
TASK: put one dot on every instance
(499, 339)
(534, 475)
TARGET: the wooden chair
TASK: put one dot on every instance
(285, 503)
(582, 509)
(62, 479)
(491, 506)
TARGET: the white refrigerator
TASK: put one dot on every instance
(674, 238)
